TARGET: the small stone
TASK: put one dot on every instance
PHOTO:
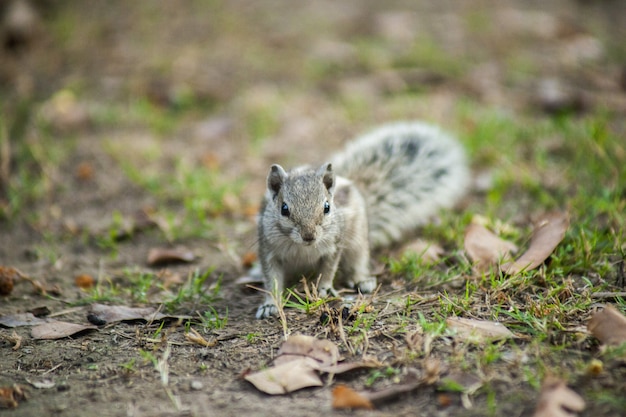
(196, 385)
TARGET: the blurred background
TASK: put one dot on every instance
(113, 99)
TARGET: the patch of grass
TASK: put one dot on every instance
(308, 305)
(195, 292)
(212, 320)
(202, 190)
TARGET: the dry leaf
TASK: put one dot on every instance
(429, 252)
(8, 276)
(413, 381)
(111, 314)
(344, 367)
(323, 351)
(286, 377)
(84, 171)
(548, 233)
(476, 331)
(161, 256)
(484, 248)
(43, 384)
(21, 319)
(557, 400)
(461, 382)
(345, 397)
(608, 326)
(10, 396)
(58, 330)
(84, 281)
(248, 259)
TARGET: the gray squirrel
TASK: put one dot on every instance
(321, 223)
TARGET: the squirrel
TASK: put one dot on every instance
(321, 223)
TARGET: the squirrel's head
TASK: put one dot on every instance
(302, 201)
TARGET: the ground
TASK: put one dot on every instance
(129, 126)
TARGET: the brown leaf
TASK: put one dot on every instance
(548, 233)
(343, 367)
(58, 330)
(248, 259)
(21, 319)
(84, 171)
(484, 248)
(461, 382)
(286, 377)
(413, 381)
(429, 252)
(608, 326)
(557, 400)
(111, 314)
(11, 396)
(161, 256)
(477, 331)
(84, 281)
(8, 276)
(323, 351)
(345, 397)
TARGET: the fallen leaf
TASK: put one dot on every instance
(476, 331)
(557, 400)
(323, 351)
(40, 311)
(460, 382)
(347, 398)
(43, 384)
(286, 377)
(413, 381)
(84, 281)
(21, 319)
(343, 367)
(548, 233)
(84, 171)
(161, 256)
(111, 314)
(608, 326)
(8, 276)
(428, 252)
(248, 259)
(11, 396)
(58, 330)
(484, 248)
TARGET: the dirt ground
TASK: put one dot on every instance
(235, 86)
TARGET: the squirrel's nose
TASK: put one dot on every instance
(308, 237)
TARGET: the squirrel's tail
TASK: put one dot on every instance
(406, 172)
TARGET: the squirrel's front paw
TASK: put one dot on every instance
(266, 310)
(324, 292)
(366, 285)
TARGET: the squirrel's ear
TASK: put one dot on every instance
(276, 178)
(328, 176)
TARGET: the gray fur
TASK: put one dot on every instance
(399, 176)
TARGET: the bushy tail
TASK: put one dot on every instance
(406, 172)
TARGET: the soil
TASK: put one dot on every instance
(235, 57)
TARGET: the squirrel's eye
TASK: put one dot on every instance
(284, 210)
(326, 207)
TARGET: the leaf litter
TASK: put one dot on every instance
(548, 232)
(486, 249)
(299, 362)
(478, 331)
(557, 400)
(608, 326)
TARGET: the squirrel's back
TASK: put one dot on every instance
(406, 173)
